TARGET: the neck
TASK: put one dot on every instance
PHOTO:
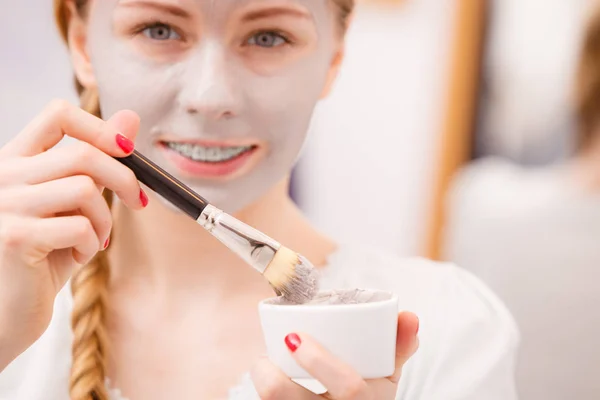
(172, 253)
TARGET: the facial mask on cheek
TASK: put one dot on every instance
(125, 78)
(276, 108)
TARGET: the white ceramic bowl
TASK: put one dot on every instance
(363, 335)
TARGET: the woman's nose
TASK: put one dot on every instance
(212, 90)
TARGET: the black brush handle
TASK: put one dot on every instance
(165, 184)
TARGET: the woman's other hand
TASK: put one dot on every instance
(341, 381)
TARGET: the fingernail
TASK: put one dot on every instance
(125, 144)
(106, 243)
(292, 341)
(417, 330)
(143, 198)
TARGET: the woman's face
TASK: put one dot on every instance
(225, 88)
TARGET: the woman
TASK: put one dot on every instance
(221, 94)
(536, 231)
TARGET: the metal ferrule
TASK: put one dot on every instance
(253, 246)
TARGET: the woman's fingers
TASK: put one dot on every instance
(70, 232)
(342, 381)
(61, 118)
(407, 342)
(72, 195)
(272, 384)
(77, 159)
(34, 238)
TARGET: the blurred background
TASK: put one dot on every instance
(457, 123)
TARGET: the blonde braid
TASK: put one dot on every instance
(89, 283)
(89, 288)
(90, 340)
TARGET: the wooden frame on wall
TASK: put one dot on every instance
(460, 115)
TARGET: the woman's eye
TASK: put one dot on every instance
(267, 39)
(161, 32)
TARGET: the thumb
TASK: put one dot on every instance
(407, 341)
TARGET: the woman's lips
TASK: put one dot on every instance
(201, 159)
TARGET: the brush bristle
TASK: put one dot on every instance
(293, 276)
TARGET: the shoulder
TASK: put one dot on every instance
(42, 371)
(418, 281)
(464, 326)
(436, 289)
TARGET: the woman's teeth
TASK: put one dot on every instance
(207, 154)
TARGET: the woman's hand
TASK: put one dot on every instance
(52, 214)
(341, 381)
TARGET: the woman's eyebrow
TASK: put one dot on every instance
(171, 9)
(274, 12)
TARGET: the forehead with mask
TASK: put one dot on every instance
(225, 89)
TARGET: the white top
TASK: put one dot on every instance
(534, 238)
(467, 349)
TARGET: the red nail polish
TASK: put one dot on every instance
(106, 243)
(292, 341)
(143, 198)
(125, 144)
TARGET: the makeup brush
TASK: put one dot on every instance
(289, 273)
